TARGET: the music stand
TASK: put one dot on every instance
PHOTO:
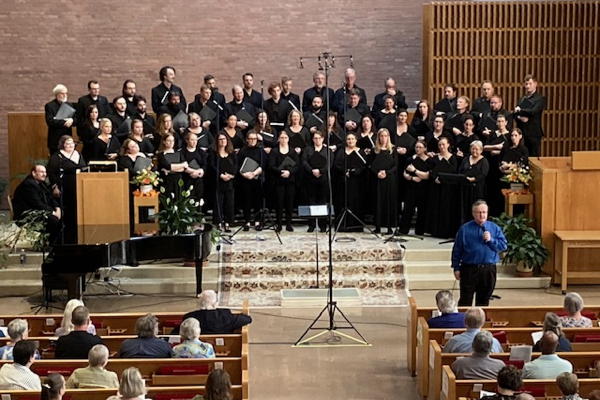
(315, 211)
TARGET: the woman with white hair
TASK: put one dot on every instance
(192, 346)
(94, 375)
(475, 167)
(66, 326)
(132, 386)
(17, 330)
(573, 304)
(450, 317)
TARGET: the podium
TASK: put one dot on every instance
(566, 192)
(102, 207)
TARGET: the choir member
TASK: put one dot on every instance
(416, 173)
(105, 146)
(238, 106)
(341, 95)
(121, 122)
(404, 143)
(482, 105)
(129, 94)
(350, 165)
(62, 167)
(464, 139)
(366, 136)
(166, 75)
(58, 127)
(454, 121)
(384, 166)
(215, 95)
(196, 158)
(447, 105)
(314, 117)
(208, 110)
(283, 162)
(385, 117)
(400, 128)
(173, 104)
(195, 125)
(390, 90)
(164, 126)
(137, 135)
(475, 167)
(251, 161)
(250, 95)
(171, 165)
(334, 138)
(89, 129)
(436, 135)
(492, 151)
(528, 114)
(514, 152)
(315, 163)
(224, 165)
(92, 98)
(318, 89)
(352, 113)
(128, 155)
(266, 135)
(298, 134)
(233, 132)
(293, 98)
(487, 122)
(422, 120)
(442, 220)
(147, 119)
(277, 108)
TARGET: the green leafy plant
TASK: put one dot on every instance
(30, 228)
(179, 213)
(524, 244)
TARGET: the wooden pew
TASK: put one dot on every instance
(521, 316)
(513, 336)
(582, 362)
(453, 388)
(155, 393)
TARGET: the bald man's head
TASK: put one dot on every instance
(524, 396)
(549, 342)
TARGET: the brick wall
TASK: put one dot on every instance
(44, 43)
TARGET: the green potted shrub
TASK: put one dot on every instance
(525, 248)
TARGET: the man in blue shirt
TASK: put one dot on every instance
(450, 317)
(474, 256)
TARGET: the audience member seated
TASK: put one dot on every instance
(17, 330)
(573, 305)
(525, 396)
(509, 381)
(132, 386)
(146, 345)
(192, 347)
(549, 365)
(552, 323)
(479, 365)
(569, 386)
(450, 317)
(77, 343)
(474, 320)
(18, 375)
(94, 375)
(54, 387)
(218, 386)
(66, 325)
(213, 319)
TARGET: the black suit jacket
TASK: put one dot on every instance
(446, 106)
(32, 195)
(378, 102)
(75, 345)
(532, 107)
(85, 101)
(254, 98)
(56, 126)
(339, 99)
(310, 93)
(221, 320)
(160, 94)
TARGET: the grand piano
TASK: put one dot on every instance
(66, 266)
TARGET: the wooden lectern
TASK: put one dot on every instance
(102, 207)
(567, 193)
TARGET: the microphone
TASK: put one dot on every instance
(217, 104)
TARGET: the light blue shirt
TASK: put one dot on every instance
(546, 366)
(463, 343)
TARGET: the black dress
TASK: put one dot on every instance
(443, 216)
(493, 184)
(145, 146)
(169, 178)
(420, 127)
(237, 139)
(475, 190)
(317, 188)
(285, 188)
(386, 210)
(61, 172)
(416, 197)
(299, 139)
(101, 149)
(250, 190)
(406, 141)
(224, 202)
(87, 132)
(196, 159)
(206, 140)
(350, 180)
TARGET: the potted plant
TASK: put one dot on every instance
(518, 175)
(147, 180)
(525, 248)
(179, 214)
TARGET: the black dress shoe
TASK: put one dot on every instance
(227, 228)
(289, 228)
(311, 229)
(258, 226)
(277, 228)
(247, 227)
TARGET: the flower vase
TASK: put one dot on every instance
(517, 186)
(145, 189)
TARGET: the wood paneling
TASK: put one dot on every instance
(558, 42)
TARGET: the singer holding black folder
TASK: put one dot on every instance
(350, 165)
(251, 160)
(196, 159)
(474, 257)
(314, 162)
(224, 165)
(384, 166)
(171, 165)
(283, 162)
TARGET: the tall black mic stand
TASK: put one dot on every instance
(326, 61)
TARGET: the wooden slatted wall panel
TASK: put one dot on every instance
(559, 42)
